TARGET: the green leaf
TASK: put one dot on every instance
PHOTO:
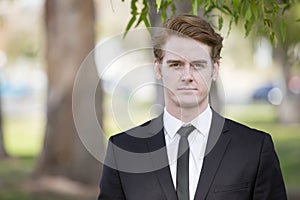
(210, 8)
(163, 16)
(220, 20)
(236, 18)
(248, 15)
(254, 10)
(173, 9)
(143, 15)
(283, 30)
(226, 10)
(206, 6)
(229, 26)
(287, 6)
(272, 37)
(158, 5)
(195, 7)
(147, 23)
(129, 25)
(139, 21)
(267, 22)
(163, 10)
(298, 20)
(133, 7)
(236, 3)
(244, 9)
(248, 27)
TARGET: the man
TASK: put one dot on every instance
(190, 152)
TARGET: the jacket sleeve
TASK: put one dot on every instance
(110, 185)
(269, 183)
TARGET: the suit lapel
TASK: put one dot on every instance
(157, 146)
(215, 149)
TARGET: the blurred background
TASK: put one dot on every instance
(42, 45)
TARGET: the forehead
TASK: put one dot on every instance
(186, 48)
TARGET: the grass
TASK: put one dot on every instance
(14, 172)
(23, 140)
(23, 136)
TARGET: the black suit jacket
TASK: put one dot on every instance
(240, 164)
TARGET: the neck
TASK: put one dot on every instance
(187, 114)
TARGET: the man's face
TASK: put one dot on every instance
(186, 71)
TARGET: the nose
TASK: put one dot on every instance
(187, 74)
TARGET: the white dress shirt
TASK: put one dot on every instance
(197, 141)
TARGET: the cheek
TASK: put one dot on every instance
(203, 77)
(203, 80)
(170, 77)
(169, 81)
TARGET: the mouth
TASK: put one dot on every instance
(187, 89)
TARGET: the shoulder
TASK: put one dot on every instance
(136, 137)
(136, 132)
(247, 144)
(236, 129)
(246, 134)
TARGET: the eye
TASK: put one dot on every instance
(175, 65)
(198, 65)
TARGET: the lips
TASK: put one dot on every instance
(187, 88)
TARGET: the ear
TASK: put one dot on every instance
(157, 69)
(215, 72)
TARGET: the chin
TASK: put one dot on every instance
(185, 104)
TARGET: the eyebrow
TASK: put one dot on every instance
(174, 61)
(199, 61)
(179, 61)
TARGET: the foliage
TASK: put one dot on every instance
(257, 16)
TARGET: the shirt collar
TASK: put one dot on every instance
(202, 122)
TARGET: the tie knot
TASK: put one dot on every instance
(184, 131)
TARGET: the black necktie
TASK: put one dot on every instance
(182, 181)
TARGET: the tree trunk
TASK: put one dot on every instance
(155, 19)
(3, 152)
(70, 37)
(288, 111)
